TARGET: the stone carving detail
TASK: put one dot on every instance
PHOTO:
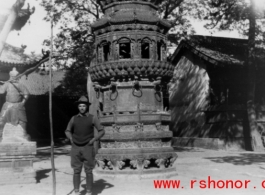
(117, 53)
(126, 145)
(106, 164)
(120, 164)
(164, 161)
(13, 115)
(134, 164)
(136, 144)
(139, 127)
(166, 144)
(152, 50)
(160, 163)
(170, 161)
(99, 72)
(110, 165)
(116, 128)
(132, 49)
(159, 127)
(101, 164)
(146, 163)
(13, 133)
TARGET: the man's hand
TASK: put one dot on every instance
(71, 141)
(92, 141)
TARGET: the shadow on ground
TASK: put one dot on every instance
(242, 159)
(98, 187)
(42, 174)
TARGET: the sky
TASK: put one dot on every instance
(34, 32)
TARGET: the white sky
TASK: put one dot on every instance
(33, 33)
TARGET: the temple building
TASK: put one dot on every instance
(208, 93)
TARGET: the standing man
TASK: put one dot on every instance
(80, 132)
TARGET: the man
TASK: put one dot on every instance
(80, 132)
(13, 110)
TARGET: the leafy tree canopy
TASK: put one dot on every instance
(75, 17)
(234, 14)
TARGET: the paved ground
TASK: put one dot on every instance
(192, 164)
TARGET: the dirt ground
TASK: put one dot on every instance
(193, 165)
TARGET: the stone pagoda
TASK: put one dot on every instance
(130, 74)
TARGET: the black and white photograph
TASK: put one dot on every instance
(132, 97)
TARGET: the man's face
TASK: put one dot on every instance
(82, 108)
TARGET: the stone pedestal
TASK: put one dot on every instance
(16, 157)
(137, 140)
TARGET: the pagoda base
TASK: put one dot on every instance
(148, 174)
(136, 163)
(16, 162)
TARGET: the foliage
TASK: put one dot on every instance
(74, 84)
(234, 14)
(248, 17)
(73, 42)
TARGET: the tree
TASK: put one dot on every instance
(75, 84)
(75, 17)
(248, 18)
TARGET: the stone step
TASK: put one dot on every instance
(17, 149)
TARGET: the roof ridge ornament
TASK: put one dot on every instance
(14, 72)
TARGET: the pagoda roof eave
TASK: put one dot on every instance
(106, 23)
(107, 4)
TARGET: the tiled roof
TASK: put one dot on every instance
(12, 54)
(38, 84)
(217, 50)
(15, 57)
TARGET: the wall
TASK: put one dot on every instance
(198, 119)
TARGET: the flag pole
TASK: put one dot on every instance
(50, 105)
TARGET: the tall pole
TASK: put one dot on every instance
(50, 105)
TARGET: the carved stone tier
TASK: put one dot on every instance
(145, 162)
(130, 12)
(130, 29)
(129, 68)
(134, 118)
(136, 32)
(123, 136)
(16, 162)
(109, 3)
(135, 144)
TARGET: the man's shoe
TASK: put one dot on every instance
(76, 193)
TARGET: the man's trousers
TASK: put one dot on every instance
(83, 156)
